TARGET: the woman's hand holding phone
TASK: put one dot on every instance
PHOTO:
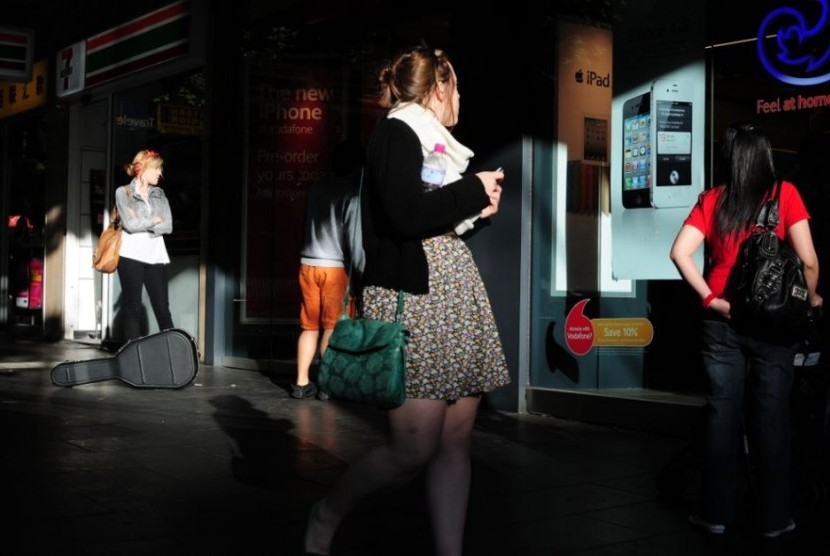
(492, 186)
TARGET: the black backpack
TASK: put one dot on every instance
(767, 288)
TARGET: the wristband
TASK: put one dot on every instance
(708, 300)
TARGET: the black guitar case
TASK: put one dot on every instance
(167, 359)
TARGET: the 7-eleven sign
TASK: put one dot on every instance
(16, 50)
(69, 69)
(151, 39)
(154, 38)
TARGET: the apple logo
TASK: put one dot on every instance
(578, 76)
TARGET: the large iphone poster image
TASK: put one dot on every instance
(657, 172)
(659, 52)
(672, 109)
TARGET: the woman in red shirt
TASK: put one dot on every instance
(723, 218)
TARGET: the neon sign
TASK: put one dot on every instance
(799, 51)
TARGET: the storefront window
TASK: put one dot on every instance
(168, 116)
(302, 96)
(25, 222)
(296, 110)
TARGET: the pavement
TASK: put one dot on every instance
(230, 464)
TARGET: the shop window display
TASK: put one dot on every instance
(25, 227)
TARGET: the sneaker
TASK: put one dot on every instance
(305, 392)
(322, 395)
(713, 528)
(778, 532)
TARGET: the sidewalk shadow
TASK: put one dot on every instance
(263, 451)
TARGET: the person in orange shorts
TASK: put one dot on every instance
(331, 250)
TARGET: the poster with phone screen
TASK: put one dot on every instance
(652, 195)
(636, 159)
(659, 51)
(672, 112)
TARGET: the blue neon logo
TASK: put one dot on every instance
(797, 53)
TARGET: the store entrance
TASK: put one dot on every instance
(24, 227)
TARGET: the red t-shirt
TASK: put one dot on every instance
(723, 253)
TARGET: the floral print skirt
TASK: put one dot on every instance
(454, 348)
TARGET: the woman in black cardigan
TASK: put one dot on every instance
(411, 238)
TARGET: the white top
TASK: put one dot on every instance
(144, 247)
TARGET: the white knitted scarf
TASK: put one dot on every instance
(430, 131)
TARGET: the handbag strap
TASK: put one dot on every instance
(399, 308)
(115, 218)
(358, 218)
(768, 215)
(351, 259)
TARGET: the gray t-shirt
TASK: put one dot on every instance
(332, 225)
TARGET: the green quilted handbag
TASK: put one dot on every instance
(365, 361)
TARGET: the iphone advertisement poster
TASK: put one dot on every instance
(658, 174)
(658, 138)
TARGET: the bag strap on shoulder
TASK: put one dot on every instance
(768, 216)
(399, 309)
(115, 219)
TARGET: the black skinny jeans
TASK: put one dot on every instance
(133, 275)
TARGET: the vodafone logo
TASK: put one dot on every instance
(582, 333)
(579, 332)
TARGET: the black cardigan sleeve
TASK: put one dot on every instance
(398, 213)
(394, 161)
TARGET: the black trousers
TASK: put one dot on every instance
(133, 276)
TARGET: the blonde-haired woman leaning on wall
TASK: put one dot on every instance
(146, 218)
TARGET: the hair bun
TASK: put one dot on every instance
(386, 75)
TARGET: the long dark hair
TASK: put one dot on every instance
(749, 175)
